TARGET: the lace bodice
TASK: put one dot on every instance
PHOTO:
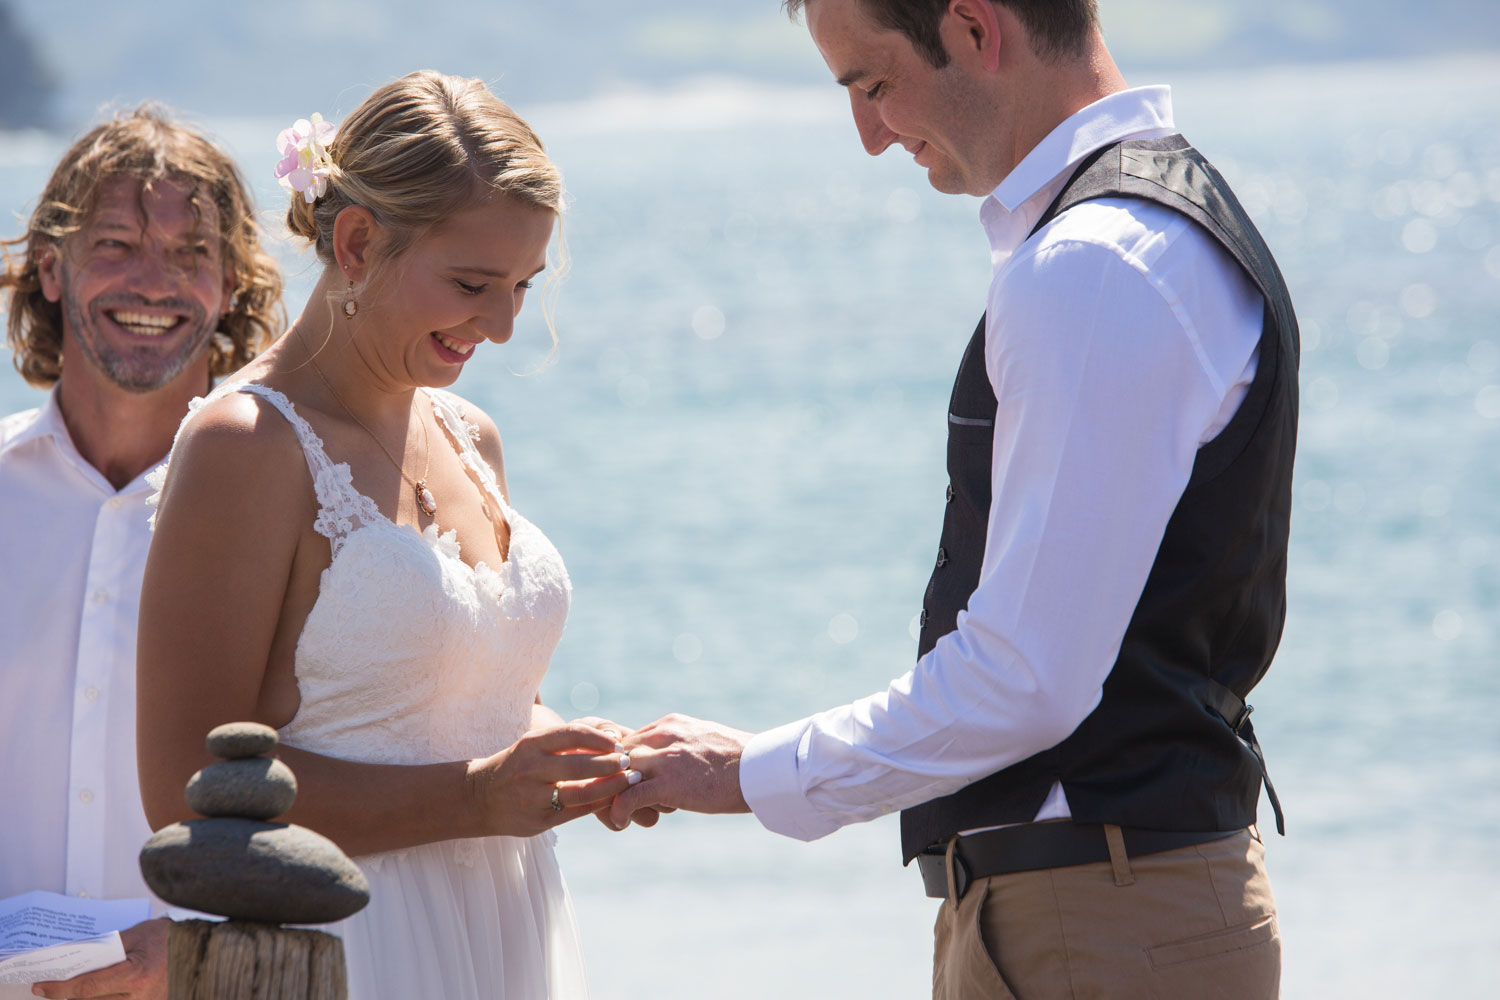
(409, 655)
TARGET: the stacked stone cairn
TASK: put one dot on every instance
(239, 863)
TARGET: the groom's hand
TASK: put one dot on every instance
(643, 817)
(687, 764)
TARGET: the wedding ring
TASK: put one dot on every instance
(556, 799)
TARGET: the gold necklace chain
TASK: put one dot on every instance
(425, 499)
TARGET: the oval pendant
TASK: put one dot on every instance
(425, 499)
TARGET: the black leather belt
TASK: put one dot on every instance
(1032, 846)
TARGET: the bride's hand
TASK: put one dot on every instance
(547, 777)
(644, 817)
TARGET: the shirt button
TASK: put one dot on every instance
(83, 894)
(91, 694)
(950, 493)
(942, 558)
(101, 596)
(115, 503)
(85, 796)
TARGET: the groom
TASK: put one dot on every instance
(1072, 752)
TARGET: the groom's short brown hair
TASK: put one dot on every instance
(1058, 28)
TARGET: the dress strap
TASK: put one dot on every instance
(341, 508)
(340, 505)
(464, 433)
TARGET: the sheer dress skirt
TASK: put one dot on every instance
(484, 919)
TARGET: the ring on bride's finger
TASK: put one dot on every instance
(556, 799)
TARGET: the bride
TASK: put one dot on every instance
(336, 556)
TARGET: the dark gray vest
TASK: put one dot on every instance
(1169, 746)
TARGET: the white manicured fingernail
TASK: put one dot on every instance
(635, 777)
(619, 748)
(624, 761)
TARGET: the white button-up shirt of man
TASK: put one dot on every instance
(76, 549)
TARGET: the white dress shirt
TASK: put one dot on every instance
(1119, 340)
(74, 551)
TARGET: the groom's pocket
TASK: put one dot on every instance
(970, 430)
(964, 967)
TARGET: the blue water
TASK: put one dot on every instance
(738, 449)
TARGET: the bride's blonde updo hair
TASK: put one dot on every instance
(420, 149)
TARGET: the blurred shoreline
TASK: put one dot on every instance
(711, 102)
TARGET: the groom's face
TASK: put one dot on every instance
(898, 97)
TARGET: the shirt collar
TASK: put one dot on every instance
(1019, 200)
(46, 421)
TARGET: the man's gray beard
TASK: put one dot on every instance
(144, 369)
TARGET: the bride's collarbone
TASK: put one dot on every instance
(462, 507)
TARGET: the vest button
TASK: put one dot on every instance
(950, 493)
(922, 621)
(942, 558)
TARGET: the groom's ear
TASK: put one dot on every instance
(355, 235)
(971, 33)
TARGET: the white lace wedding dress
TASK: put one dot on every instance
(409, 656)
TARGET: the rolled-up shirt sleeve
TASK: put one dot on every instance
(1105, 393)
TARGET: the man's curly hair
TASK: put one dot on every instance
(146, 145)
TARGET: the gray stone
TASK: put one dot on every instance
(241, 739)
(250, 787)
(251, 870)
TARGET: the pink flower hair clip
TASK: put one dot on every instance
(305, 165)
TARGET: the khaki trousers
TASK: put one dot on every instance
(1197, 923)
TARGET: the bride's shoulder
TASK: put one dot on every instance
(236, 418)
(234, 489)
(235, 441)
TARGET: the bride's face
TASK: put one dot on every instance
(458, 288)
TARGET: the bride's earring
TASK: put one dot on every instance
(351, 306)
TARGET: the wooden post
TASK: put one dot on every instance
(239, 864)
(239, 960)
